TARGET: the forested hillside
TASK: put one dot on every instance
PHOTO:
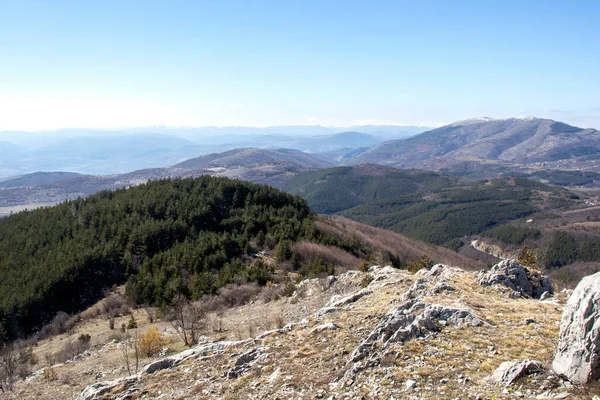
(425, 205)
(168, 236)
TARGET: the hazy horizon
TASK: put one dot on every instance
(267, 63)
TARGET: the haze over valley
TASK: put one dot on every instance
(286, 200)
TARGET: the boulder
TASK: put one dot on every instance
(410, 320)
(330, 326)
(244, 362)
(523, 281)
(99, 390)
(509, 371)
(578, 350)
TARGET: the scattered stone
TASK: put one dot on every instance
(442, 287)
(324, 327)
(339, 301)
(244, 362)
(512, 274)
(578, 351)
(409, 385)
(402, 324)
(98, 390)
(546, 295)
(197, 351)
(509, 371)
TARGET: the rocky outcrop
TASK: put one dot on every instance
(244, 362)
(578, 351)
(99, 390)
(509, 371)
(125, 385)
(405, 322)
(523, 281)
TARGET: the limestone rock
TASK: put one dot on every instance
(509, 371)
(512, 274)
(402, 323)
(578, 351)
(339, 301)
(99, 390)
(244, 362)
(330, 326)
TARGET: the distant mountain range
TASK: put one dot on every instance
(520, 141)
(275, 167)
(103, 152)
(542, 149)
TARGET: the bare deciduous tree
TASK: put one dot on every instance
(187, 318)
(8, 367)
(131, 352)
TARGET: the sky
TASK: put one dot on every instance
(101, 64)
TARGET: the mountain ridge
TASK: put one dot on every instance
(522, 141)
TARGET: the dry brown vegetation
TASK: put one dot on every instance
(311, 252)
(387, 241)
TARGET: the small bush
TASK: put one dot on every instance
(132, 324)
(115, 305)
(288, 289)
(366, 281)
(423, 262)
(151, 342)
(364, 266)
(50, 374)
(70, 350)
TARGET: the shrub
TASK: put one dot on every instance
(132, 324)
(288, 289)
(366, 281)
(316, 269)
(364, 266)
(115, 305)
(151, 342)
(424, 261)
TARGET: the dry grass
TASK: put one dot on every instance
(395, 243)
(309, 363)
(310, 252)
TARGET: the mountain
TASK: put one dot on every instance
(523, 141)
(426, 205)
(263, 166)
(37, 179)
(337, 189)
(113, 151)
(252, 156)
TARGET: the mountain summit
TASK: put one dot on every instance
(514, 140)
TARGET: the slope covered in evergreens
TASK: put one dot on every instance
(169, 236)
(425, 205)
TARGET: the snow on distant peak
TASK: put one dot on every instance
(472, 121)
(480, 120)
(526, 118)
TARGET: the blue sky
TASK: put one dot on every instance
(132, 63)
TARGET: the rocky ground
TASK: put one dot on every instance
(381, 334)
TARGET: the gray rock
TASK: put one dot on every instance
(330, 326)
(244, 362)
(98, 390)
(197, 351)
(545, 296)
(512, 274)
(578, 350)
(402, 323)
(339, 301)
(509, 371)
